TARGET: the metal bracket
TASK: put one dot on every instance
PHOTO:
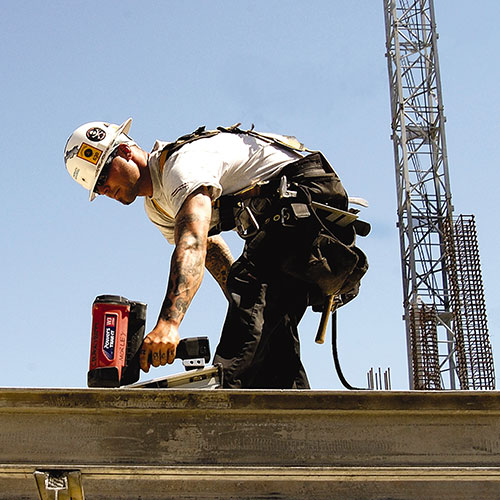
(59, 484)
(191, 364)
(249, 227)
(283, 190)
(210, 377)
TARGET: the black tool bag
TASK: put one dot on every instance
(336, 268)
(333, 264)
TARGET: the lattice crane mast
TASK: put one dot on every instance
(443, 300)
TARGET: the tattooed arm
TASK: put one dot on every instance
(219, 260)
(186, 272)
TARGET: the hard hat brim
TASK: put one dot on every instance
(122, 129)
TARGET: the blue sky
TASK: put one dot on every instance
(312, 69)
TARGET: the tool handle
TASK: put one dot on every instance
(191, 348)
(327, 307)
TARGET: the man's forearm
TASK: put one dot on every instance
(186, 273)
(187, 265)
(219, 260)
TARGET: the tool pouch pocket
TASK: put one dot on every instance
(334, 267)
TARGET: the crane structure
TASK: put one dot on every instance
(447, 335)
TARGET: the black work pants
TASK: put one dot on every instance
(259, 346)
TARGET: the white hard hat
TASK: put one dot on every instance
(89, 147)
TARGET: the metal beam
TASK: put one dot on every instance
(173, 443)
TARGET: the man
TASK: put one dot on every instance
(210, 181)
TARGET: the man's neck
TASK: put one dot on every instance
(145, 182)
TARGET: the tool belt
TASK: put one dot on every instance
(308, 192)
(306, 187)
(278, 200)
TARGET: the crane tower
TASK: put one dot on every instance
(444, 309)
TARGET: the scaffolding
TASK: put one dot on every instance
(442, 349)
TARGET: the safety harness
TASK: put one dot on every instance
(288, 142)
(246, 210)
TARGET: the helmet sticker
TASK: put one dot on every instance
(89, 153)
(96, 134)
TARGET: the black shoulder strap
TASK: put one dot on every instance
(288, 142)
(170, 148)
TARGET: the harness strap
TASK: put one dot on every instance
(169, 149)
(288, 142)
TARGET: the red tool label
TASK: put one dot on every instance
(109, 338)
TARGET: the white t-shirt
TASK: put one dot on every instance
(226, 163)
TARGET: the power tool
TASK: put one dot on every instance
(118, 327)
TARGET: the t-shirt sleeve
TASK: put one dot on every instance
(164, 223)
(167, 232)
(189, 170)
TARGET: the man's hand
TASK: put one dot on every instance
(158, 348)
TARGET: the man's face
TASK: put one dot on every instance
(120, 183)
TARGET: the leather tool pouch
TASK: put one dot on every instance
(334, 267)
(333, 262)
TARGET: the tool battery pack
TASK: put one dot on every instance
(118, 327)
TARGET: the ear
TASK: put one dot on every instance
(125, 151)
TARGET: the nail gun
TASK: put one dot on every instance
(118, 327)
